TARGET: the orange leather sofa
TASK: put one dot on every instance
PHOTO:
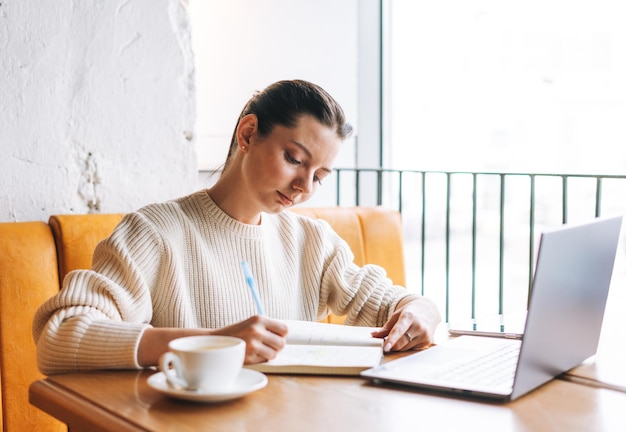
(36, 256)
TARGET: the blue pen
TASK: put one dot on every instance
(250, 280)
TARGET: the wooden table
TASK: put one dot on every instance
(123, 401)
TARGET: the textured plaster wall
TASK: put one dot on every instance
(97, 106)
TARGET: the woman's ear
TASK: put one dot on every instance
(246, 129)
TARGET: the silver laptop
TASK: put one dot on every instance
(565, 312)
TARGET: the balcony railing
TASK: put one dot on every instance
(471, 237)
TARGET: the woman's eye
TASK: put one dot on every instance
(291, 159)
(317, 180)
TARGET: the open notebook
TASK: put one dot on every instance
(326, 349)
(568, 299)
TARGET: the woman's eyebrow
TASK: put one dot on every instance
(308, 153)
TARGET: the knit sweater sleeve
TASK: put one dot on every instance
(365, 295)
(97, 319)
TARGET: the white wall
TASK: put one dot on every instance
(97, 106)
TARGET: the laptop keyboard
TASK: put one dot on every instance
(493, 368)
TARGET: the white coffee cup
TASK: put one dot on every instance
(204, 363)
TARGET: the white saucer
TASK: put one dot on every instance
(247, 382)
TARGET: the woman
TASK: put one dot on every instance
(173, 269)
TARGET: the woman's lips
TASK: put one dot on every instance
(285, 199)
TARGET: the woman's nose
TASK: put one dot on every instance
(304, 183)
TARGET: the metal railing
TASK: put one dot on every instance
(471, 237)
(476, 233)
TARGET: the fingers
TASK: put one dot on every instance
(263, 345)
(386, 329)
(264, 337)
(407, 333)
(413, 338)
(258, 352)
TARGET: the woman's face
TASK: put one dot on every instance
(287, 166)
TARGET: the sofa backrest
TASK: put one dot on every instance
(76, 237)
(28, 277)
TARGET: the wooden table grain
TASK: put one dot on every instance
(123, 401)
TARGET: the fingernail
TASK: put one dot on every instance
(387, 347)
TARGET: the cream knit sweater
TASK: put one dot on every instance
(177, 264)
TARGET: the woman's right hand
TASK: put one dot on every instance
(264, 337)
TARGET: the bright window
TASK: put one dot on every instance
(533, 86)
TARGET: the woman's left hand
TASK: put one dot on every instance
(411, 326)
